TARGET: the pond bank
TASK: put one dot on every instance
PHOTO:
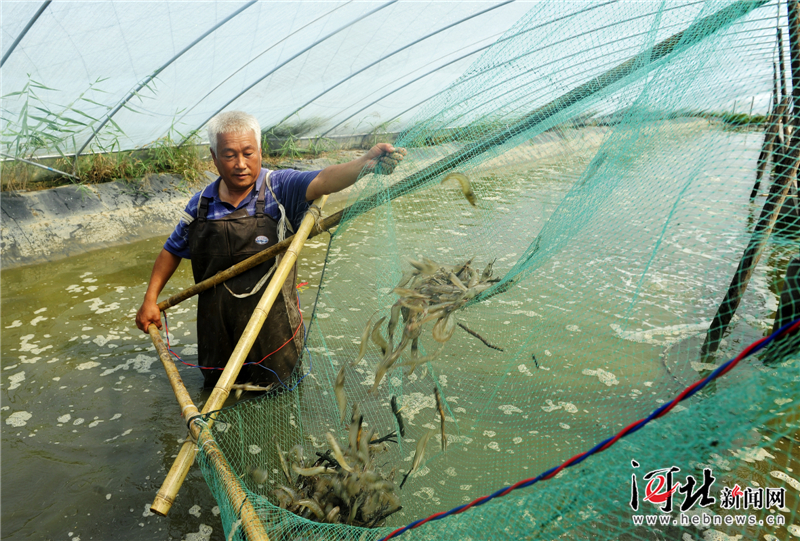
(48, 225)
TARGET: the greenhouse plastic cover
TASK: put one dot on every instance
(332, 67)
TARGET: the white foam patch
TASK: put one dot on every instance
(792, 482)
(662, 336)
(204, 534)
(87, 365)
(140, 364)
(509, 409)
(16, 380)
(18, 418)
(606, 377)
(413, 403)
(190, 349)
(25, 344)
(524, 370)
(782, 401)
(752, 454)
(714, 535)
(699, 367)
(14, 324)
(120, 436)
(529, 313)
(38, 319)
(64, 418)
(97, 305)
(794, 529)
(147, 513)
(517, 440)
(40, 310)
(254, 449)
(195, 511)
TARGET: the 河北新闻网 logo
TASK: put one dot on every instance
(661, 488)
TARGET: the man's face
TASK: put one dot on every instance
(238, 160)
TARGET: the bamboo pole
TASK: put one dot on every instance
(237, 496)
(788, 218)
(265, 255)
(169, 489)
(789, 306)
(770, 136)
(768, 148)
(752, 254)
(188, 409)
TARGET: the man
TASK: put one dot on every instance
(247, 210)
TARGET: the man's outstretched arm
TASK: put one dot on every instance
(338, 177)
(163, 269)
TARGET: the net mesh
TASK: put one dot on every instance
(611, 177)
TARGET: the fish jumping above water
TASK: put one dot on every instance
(338, 391)
(466, 187)
(440, 407)
(418, 454)
(362, 350)
(397, 416)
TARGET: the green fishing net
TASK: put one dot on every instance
(611, 149)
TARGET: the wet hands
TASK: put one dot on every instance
(383, 158)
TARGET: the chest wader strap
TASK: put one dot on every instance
(281, 235)
(283, 223)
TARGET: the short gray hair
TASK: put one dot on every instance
(232, 122)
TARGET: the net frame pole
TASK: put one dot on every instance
(25, 31)
(389, 55)
(169, 489)
(279, 66)
(770, 136)
(153, 75)
(786, 177)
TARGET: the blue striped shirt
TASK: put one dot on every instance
(289, 186)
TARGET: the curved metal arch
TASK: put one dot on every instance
(279, 66)
(539, 49)
(24, 31)
(398, 89)
(153, 75)
(190, 109)
(465, 19)
(453, 61)
(539, 66)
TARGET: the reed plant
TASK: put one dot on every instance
(41, 128)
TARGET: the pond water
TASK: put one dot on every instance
(90, 424)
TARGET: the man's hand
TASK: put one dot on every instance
(163, 268)
(383, 158)
(148, 313)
